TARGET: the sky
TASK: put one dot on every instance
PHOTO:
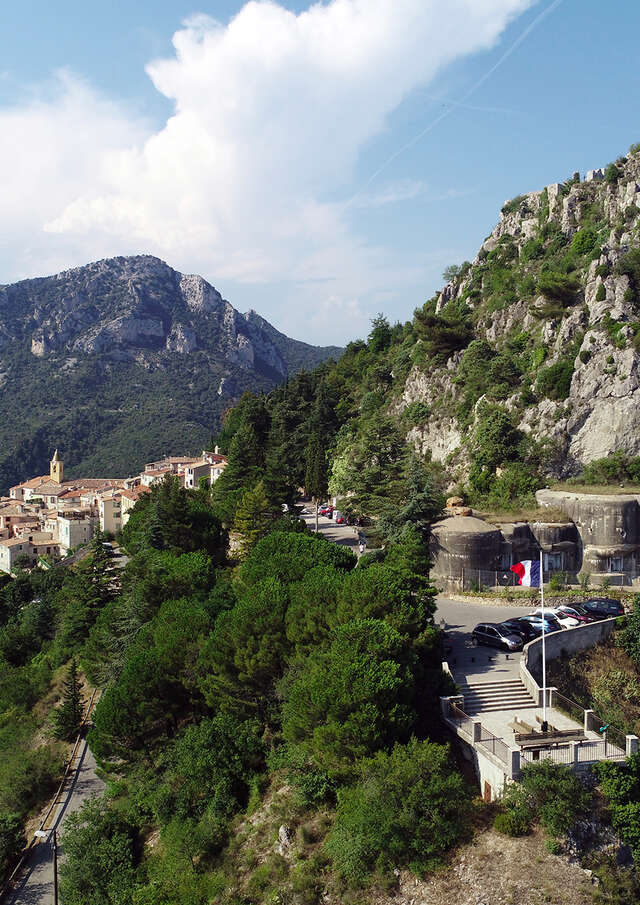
(318, 163)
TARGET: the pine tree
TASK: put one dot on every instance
(68, 718)
(254, 516)
(315, 480)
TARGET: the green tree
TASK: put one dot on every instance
(101, 854)
(254, 517)
(12, 840)
(380, 336)
(316, 478)
(247, 651)
(68, 717)
(630, 636)
(408, 808)
(353, 699)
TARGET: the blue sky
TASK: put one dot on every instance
(265, 180)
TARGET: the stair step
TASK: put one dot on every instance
(492, 689)
(496, 707)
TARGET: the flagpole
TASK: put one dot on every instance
(544, 658)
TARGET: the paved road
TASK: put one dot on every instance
(339, 534)
(36, 886)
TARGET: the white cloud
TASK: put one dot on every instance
(271, 113)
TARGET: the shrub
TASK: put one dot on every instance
(554, 382)
(584, 241)
(510, 207)
(557, 286)
(585, 579)
(407, 808)
(556, 582)
(601, 293)
(12, 840)
(512, 823)
(603, 270)
(585, 356)
(611, 174)
(416, 413)
(556, 795)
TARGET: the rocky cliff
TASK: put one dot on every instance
(124, 359)
(551, 306)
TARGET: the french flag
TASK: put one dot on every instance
(528, 573)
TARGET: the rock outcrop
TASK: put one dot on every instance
(586, 236)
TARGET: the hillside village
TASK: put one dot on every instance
(47, 517)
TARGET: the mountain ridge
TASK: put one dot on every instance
(110, 350)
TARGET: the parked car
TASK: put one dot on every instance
(340, 519)
(551, 624)
(604, 607)
(326, 509)
(518, 627)
(576, 611)
(565, 620)
(494, 635)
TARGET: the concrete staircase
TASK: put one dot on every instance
(483, 697)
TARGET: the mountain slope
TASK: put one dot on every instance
(124, 359)
(545, 323)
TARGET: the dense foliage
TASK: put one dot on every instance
(218, 672)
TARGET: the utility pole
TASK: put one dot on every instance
(55, 867)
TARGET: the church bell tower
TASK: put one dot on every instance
(56, 468)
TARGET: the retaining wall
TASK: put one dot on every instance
(567, 642)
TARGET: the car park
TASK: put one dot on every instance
(494, 635)
(565, 620)
(603, 607)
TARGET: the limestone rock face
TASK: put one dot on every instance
(181, 339)
(594, 331)
(138, 309)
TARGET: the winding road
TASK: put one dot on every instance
(35, 886)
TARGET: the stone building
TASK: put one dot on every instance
(599, 534)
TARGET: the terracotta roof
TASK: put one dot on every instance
(51, 488)
(31, 483)
(136, 492)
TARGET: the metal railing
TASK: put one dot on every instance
(558, 754)
(461, 719)
(568, 707)
(600, 749)
(495, 745)
(477, 579)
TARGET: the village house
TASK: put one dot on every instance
(48, 515)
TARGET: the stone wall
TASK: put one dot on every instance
(567, 642)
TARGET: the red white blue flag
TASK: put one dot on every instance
(528, 573)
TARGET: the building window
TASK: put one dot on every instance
(553, 562)
(616, 564)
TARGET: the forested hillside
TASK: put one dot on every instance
(525, 367)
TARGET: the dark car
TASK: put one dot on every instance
(603, 607)
(496, 636)
(519, 627)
